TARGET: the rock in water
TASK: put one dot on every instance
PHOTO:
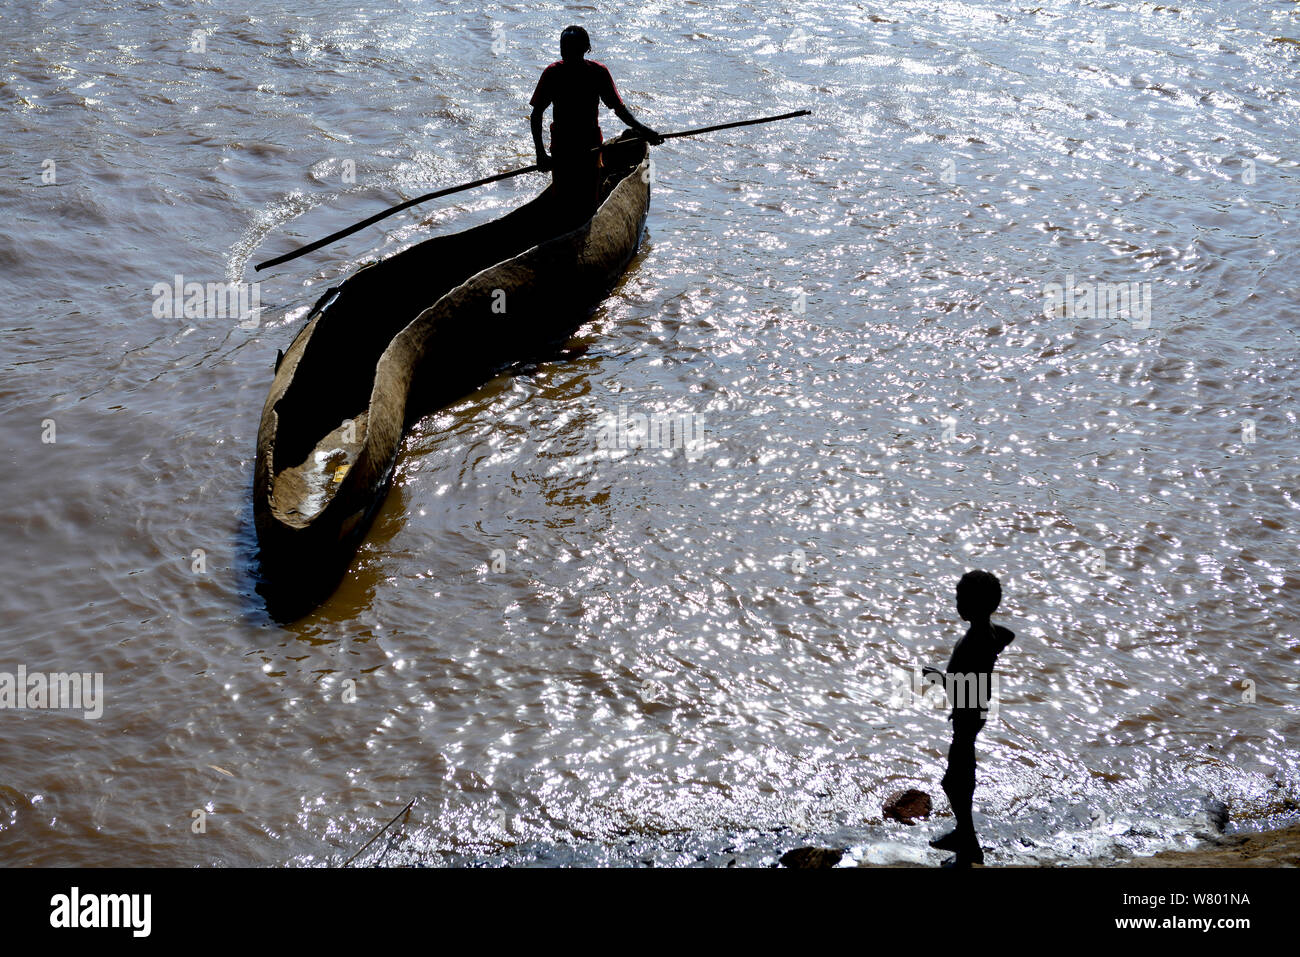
(1216, 813)
(812, 857)
(907, 806)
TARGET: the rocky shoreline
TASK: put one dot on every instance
(1275, 848)
(1279, 848)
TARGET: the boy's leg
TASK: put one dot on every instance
(959, 785)
(959, 781)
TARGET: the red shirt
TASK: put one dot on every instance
(574, 89)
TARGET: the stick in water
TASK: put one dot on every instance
(404, 810)
(312, 247)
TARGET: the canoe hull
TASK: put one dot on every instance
(495, 317)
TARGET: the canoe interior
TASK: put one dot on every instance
(302, 491)
(322, 413)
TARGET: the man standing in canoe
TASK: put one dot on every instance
(575, 87)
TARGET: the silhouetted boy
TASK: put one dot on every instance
(968, 681)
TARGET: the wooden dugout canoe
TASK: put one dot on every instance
(406, 335)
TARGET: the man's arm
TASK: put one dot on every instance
(543, 161)
(540, 100)
(609, 95)
(624, 114)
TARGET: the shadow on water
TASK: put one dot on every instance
(344, 592)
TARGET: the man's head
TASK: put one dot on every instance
(574, 42)
(978, 594)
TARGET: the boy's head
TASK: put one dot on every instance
(574, 42)
(978, 594)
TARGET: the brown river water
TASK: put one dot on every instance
(885, 326)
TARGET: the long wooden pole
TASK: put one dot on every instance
(727, 126)
(312, 247)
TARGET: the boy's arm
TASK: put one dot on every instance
(933, 676)
(1001, 638)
